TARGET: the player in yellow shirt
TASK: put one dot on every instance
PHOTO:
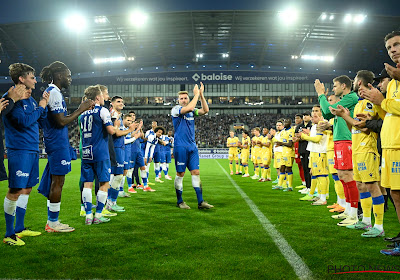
(257, 161)
(286, 142)
(266, 149)
(233, 143)
(365, 163)
(245, 145)
(340, 204)
(317, 145)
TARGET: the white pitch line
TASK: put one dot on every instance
(299, 267)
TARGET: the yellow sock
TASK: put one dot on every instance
(366, 204)
(339, 189)
(323, 183)
(314, 183)
(264, 173)
(379, 209)
(268, 173)
(246, 169)
(231, 167)
(236, 167)
(241, 168)
(281, 179)
(290, 179)
(256, 171)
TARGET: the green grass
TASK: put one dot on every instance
(156, 240)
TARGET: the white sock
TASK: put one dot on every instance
(87, 196)
(54, 207)
(366, 220)
(347, 208)
(323, 197)
(196, 181)
(178, 183)
(380, 227)
(353, 212)
(22, 201)
(342, 202)
(10, 206)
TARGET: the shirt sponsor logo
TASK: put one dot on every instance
(181, 163)
(19, 173)
(120, 165)
(396, 167)
(64, 162)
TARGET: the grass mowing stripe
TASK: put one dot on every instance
(299, 267)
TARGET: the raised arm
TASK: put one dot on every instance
(204, 106)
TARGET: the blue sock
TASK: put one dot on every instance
(199, 194)
(179, 196)
(19, 219)
(99, 207)
(114, 195)
(88, 207)
(144, 182)
(166, 172)
(157, 172)
(129, 181)
(53, 216)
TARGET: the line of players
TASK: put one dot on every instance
(103, 157)
(129, 149)
(343, 140)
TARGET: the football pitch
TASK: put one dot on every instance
(253, 232)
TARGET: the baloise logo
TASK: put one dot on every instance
(212, 77)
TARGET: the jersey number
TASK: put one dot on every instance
(87, 123)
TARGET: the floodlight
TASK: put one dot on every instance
(100, 19)
(324, 16)
(199, 55)
(225, 55)
(75, 23)
(331, 17)
(109, 59)
(138, 18)
(288, 16)
(347, 18)
(359, 18)
(328, 58)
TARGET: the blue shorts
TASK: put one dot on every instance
(60, 162)
(186, 156)
(127, 161)
(23, 169)
(120, 158)
(168, 157)
(157, 156)
(137, 159)
(101, 168)
(162, 156)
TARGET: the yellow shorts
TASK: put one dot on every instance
(366, 167)
(258, 157)
(277, 159)
(390, 173)
(245, 156)
(319, 164)
(331, 161)
(233, 156)
(287, 160)
(267, 158)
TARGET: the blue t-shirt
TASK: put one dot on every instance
(55, 136)
(183, 126)
(136, 146)
(21, 125)
(119, 142)
(94, 134)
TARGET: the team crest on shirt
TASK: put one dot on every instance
(369, 106)
(25, 106)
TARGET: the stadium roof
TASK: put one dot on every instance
(194, 38)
